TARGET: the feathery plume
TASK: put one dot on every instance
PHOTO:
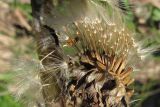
(26, 85)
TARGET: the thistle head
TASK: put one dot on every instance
(97, 70)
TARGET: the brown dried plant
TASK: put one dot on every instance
(86, 53)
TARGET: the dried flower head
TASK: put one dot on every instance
(85, 58)
(103, 50)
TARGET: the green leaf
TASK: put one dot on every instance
(156, 15)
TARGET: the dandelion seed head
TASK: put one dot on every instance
(106, 45)
(26, 83)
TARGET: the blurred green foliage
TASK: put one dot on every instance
(155, 14)
(25, 7)
(6, 99)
